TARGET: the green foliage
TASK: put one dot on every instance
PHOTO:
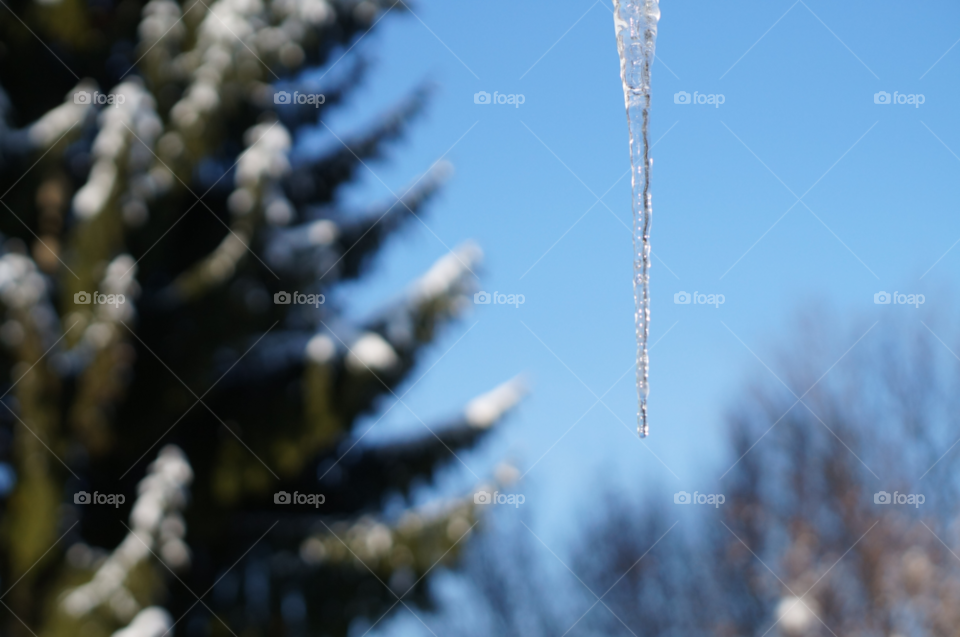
(200, 396)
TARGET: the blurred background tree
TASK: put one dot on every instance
(145, 151)
(803, 545)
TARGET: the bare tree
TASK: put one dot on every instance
(840, 511)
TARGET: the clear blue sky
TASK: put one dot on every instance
(879, 185)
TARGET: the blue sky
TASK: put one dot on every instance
(799, 193)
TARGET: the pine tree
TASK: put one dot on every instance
(172, 337)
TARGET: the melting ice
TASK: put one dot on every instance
(635, 22)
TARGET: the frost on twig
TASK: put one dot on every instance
(150, 622)
(22, 286)
(56, 122)
(439, 293)
(156, 528)
(25, 295)
(259, 168)
(101, 361)
(131, 118)
(400, 552)
(488, 408)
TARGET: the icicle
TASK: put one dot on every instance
(635, 22)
